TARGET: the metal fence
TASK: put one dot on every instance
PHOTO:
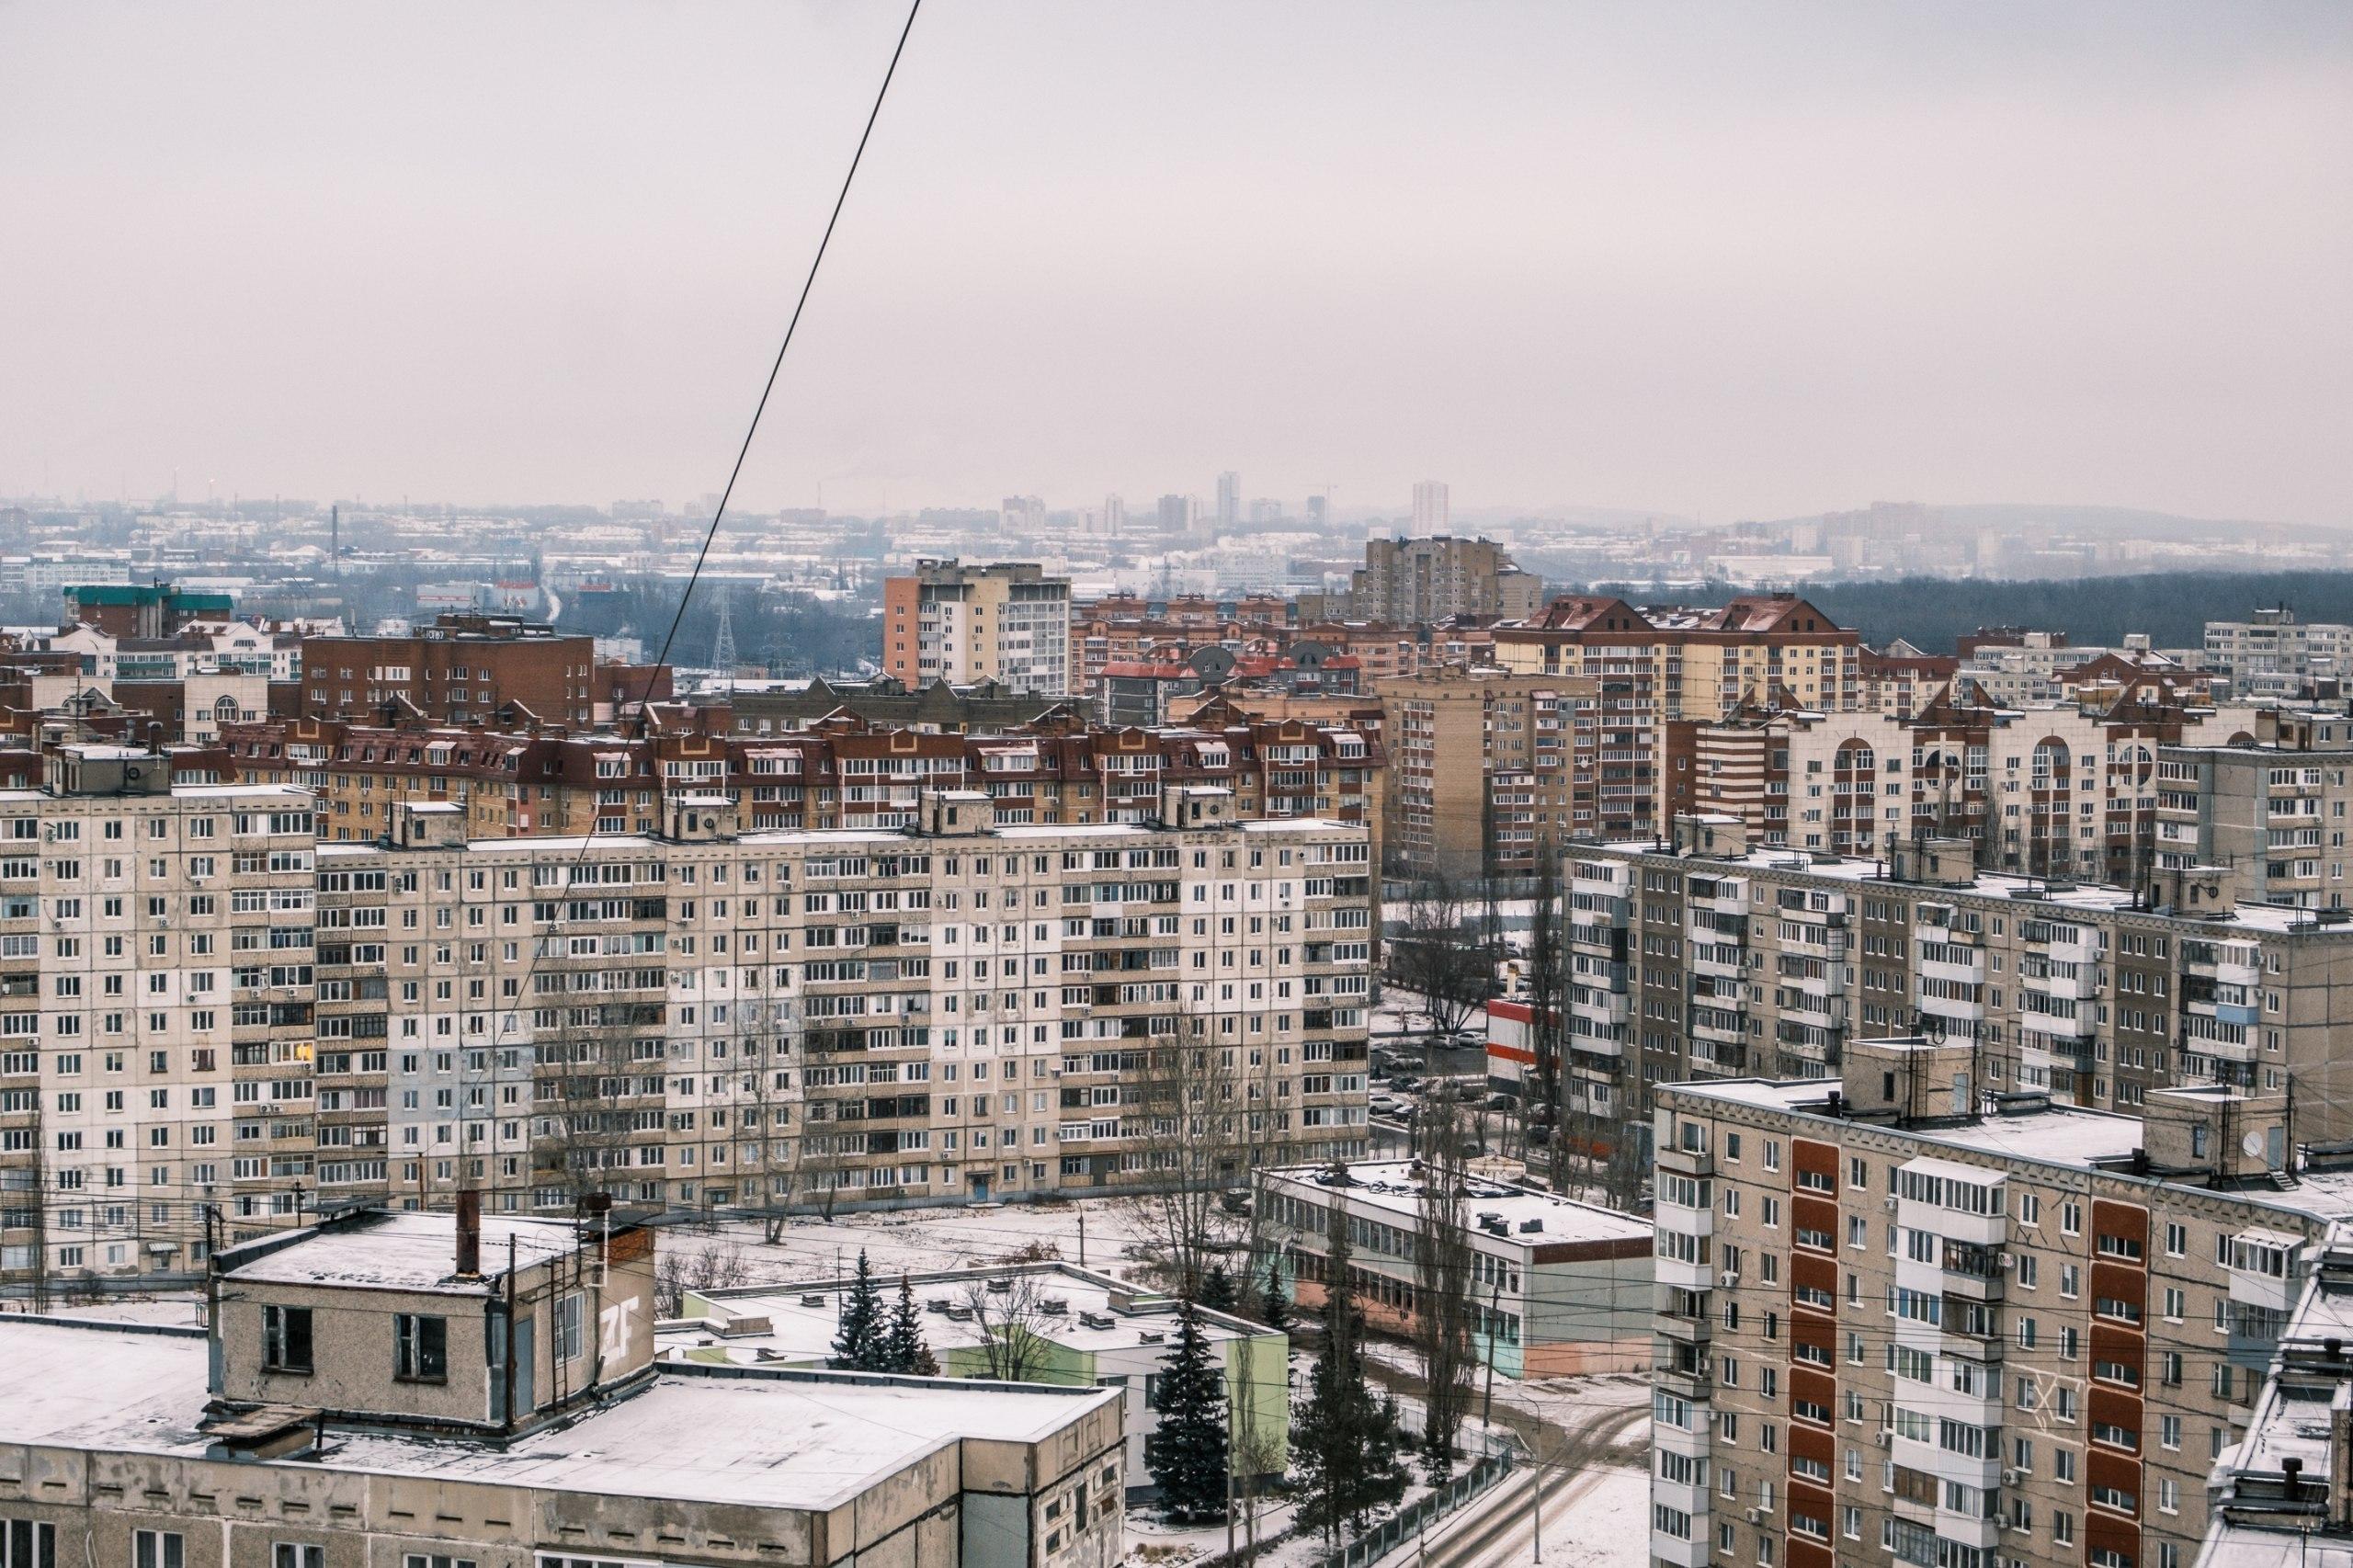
(1410, 1521)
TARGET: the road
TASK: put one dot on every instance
(1498, 1530)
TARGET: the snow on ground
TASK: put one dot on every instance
(918, 1240)
(1605, 1524)
(179, 1309)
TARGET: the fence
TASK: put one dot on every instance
(1410, 1521)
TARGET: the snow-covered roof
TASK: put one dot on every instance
(393, 1250)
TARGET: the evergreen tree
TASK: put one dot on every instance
(858, 1343)
(903, 1347)
(1273, 1302)
(1186, 1454)
(1218, 1291)
(1343, 1441)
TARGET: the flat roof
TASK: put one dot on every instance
(1393, 1186)
(399, 1250)
(766, 1438)
(2027, 892)
(798, 1331)
(2070, 1137)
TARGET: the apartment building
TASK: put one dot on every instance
(2272, 653)
(2285, 1493)
(155, 955)
(1491, 771)
(703, 1018)
(1414, 582)
(1660, 667)
(1559, 1287)
(464, 668)
(1708, 958)
(842, 774)
(1896, 1316)
(425, 1391)
(2054, 789)
(1900, 679)
(1006, 621)
(2271, 805)
(885, 702)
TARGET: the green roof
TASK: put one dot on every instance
(146, 593)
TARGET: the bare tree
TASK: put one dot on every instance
(1006, 1310)
(1443, 1306)
(1544, 1089)
(595, 1090)
(682, 1268)
(1440, 956)
(1193, 1110)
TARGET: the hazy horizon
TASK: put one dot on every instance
(1702, 259)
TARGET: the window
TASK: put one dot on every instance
(285, 1346)
(438, 1560)
(567, 1327)
(156, 1549)
(25, 1544)
(420, 1348)
(287, 1556)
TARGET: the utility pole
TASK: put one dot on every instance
(1487, 1405)
(1536, 1514)
(1082, 1241)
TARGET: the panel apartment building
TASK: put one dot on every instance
(1007, 622)
(1897, 1321)
(1708, 960)
(225, 1013)
(2271, 805)
(1418, 581)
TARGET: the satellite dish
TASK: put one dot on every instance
(2252, 1145)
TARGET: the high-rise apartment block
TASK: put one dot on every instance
(1417, 582)
(2055, 790)
(1708, 960)
(1228, 499)
(216, 1010)
(2271, 805)
(1901, 1321)
(1658, 666)
(1431, 508)
(1490, 772)
(2274, 654)
(1007, 622)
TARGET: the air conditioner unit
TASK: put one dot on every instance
(1886, 1439)
(2010, 1478)
(1891, 1202)
(1756, 1516)
(1729, 1277)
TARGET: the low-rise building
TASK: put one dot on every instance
(437, 1390)
(1073, 1327)
(1557, 1286)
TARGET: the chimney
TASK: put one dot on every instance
(469, 1235)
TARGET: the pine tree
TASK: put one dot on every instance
(903, 1347)
(858, 1343)
(1273, 1302)
(1344, 1441)
(1186, 1454)
(1218, 1292)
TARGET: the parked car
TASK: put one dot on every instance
(1386, 1105)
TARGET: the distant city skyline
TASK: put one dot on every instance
(1747, 265)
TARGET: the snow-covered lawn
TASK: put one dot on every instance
(917, 1240)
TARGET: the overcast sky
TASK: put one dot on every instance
(1728, 259)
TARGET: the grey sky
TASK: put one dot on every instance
(1743, 261)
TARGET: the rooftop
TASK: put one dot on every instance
(803, 1440)
(802, 1319)
(2092, 898)
(2037, 1132)
(1395, 1186)
(393, 1250)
